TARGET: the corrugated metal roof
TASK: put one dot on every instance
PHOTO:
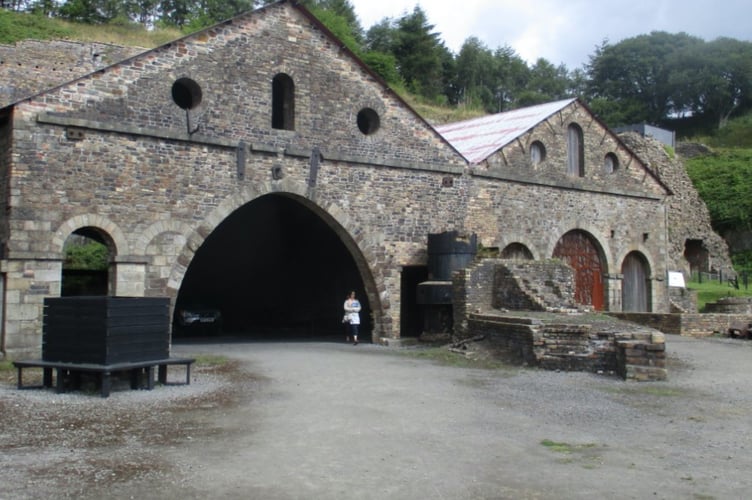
(479, 138)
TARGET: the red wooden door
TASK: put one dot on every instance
(578, 250)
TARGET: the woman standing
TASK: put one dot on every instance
(352, 308)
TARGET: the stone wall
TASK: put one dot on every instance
(589, 346)
(534, 286)
(31, 66)
(688, 216)
(553, 341)
(113, 151)
(691, 325)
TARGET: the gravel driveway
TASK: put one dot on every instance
(335, 421)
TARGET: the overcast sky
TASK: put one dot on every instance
(565, 31)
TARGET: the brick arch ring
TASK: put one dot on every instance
(154, 230)
(604, 248)
(335, 214)
(636, 249)
(91, 220)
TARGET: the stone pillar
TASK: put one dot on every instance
(614, 286)
(127, 279)
(27, 283)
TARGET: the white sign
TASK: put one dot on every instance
(675, 279)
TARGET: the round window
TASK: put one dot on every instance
(368, 121)
(186, 93)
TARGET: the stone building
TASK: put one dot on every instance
(565, 186)
(260, 169)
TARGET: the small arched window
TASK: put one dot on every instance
(575, 151)
(610, 163)
(283, 102)
(537, 153)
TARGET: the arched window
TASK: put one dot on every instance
(610, 163)
(537, 153)
(283, 102)
(575, 151)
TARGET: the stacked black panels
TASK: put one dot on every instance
(105, 330)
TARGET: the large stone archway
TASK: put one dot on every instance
(277, 266)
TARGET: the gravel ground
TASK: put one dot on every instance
(327, 420)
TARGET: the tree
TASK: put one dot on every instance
(546, 83)
(91, 11)
(475, 81)
(511, 77)
(636, 73)
(714, 79)
(419, 53)
(344, 10)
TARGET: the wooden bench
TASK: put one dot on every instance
(136, 369)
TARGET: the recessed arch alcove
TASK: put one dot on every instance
(276, 268)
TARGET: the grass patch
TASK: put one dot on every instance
(711, 291)
(211, 360)
(647, 390)
(445, 357)
(560, 447)
(586, 454)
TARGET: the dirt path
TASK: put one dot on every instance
(330, 421)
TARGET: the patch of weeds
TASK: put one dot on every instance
(445, 357)
(7, 372)
(211, 360)
(566, 447)
(575, 452)
(646, 389)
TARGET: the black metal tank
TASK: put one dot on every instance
(447, 253)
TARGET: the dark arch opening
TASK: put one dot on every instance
(88, 252)
(575, 151)
(516, 251)
(273, 269)
(283, 102)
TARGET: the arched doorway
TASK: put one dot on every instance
(581, 252)
(273, 269)
(88, 252)
(635, 291)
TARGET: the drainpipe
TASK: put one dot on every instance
(3, 353)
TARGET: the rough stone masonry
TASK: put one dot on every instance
(153, 153)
